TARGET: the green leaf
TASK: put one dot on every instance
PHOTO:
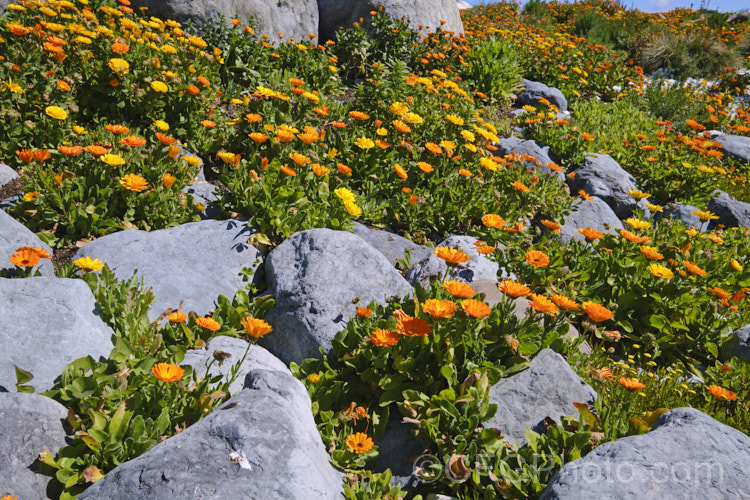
(711, 347)
(119, 423)
(22, 376)
(658, 321)
(532, 438)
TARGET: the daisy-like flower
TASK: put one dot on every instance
(705, 216)
(564, 302)
(27, 257)
(513, 289)
(400, 172)
(631, 384)
(721, 393)
(158, 86)
(475, 308)
(208, 323)
(637, 223)
(520, 186)
(552, 225)
(344, 194)
(359, 442)
(493, 220)
(384, 338)
(603, 373)
(133, 182)
(537, 258)
(542, 304)
(161, 125)
(112, 160)
(359, 115)
(459, 289)
(451, 255)
(718, 292)
(596, 312)
(637, 194)
(632, 237)
(425, 167)
(132, 141)
(255, 327)
(167, 372)
(590, 234)
(364, 143)
(177, 317)
(56, 112)
(660, 271)
(693, 268)
(651, 253)
(439, 308)
(117, 129)
(300, 159)
(413, 327)
(88, 264)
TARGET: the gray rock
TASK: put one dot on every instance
(534, 90)
(14, 235)
(7, 174)
(688, 454)
(293, 18)
(10, 201)
(600, 175)
(463, 5)
(205, 194)
(257, 358)
(316, 276)
(335, 14)
(682, 213)
(593, 213)
(194, 262)
(30, 425)
(730, 211)
(547, 389)
(269, 428)
(45, 323)
(399, 450)
(432, 267)
(738, 346)
(510, 145)
(391, 245)
(735, 146)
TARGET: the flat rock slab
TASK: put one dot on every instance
(257, 358)
(687, 455)
(270, 430)
(593, 213)
(736, 146)
(547, 389)
(7, 174)
(511, 145)
(532, 91)
(29, 425)
(45, 323)
(432, 267)
(738, 346)
(193, 263)
(601, 176)
(731, 212)
(14, 235)
(391, 245)
(319, 277)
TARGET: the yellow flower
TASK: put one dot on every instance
(344, 194)
(413, 118)
(134, 182)
(455, 120)
(112, 160)
(637, 223)
(352, 209)
(11, 87)
(119, 66)
(637, 194)
(364, 143)
(56, 112)
(654, 208)
(161, 125)
(705, 216)
(735, 265)
(88, 264)
(79, 130)
(31, 196)
(158, 86)
(660, 271)
(399, 108)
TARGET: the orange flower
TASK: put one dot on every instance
(542, 304)
(425, 167)
(433, 148)
(384, 338)
(651, 253)
(359, 442)
(41, 155)
(631, 384)
(439, 308)
(120, 48)
(344, 169)
(177, 317)
(721, 294)
(118, 129)
(165, 140)
(204, 80)
(253, 117)
(493, 220)
(603, 373)
(167, 372)
(633, 237)
(451, 255)
(513, 289)
(70, 150)
(288, 171)
(258, 137)
(475, 308)
(485, 249)
(459, 289)
(132, 141)
(134, 182)
(693, 268)
(694, 125)
(25, 155)
(597, 312)
(63, 85)
(25, 257)
(364, 312)
(193, 90)
(400, 172)
(564, 302)
(586, 136)
(208, 123)
(721, 393)
(537, 258)
(413, 327)
(551, 225)
(359, 115)
(255, 327)
(401, 126)
(520, 186)
(590, 234)
(296, 82)
(208, 324)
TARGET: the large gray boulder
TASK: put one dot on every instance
(593, 213)
(45, 323)
(738, 346)
(735, 146)
(261, 444)
(432, 267)
(600, 175)
(547, 389)
(532, 91)
(14, 235)
(319, 277)
(731, 212)
(510, 145)
(193, 263)
(391, 245)
(29, 425)
(7, 174)
(687, 455)
(335, 14)
(293, 18)
(222, 353)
